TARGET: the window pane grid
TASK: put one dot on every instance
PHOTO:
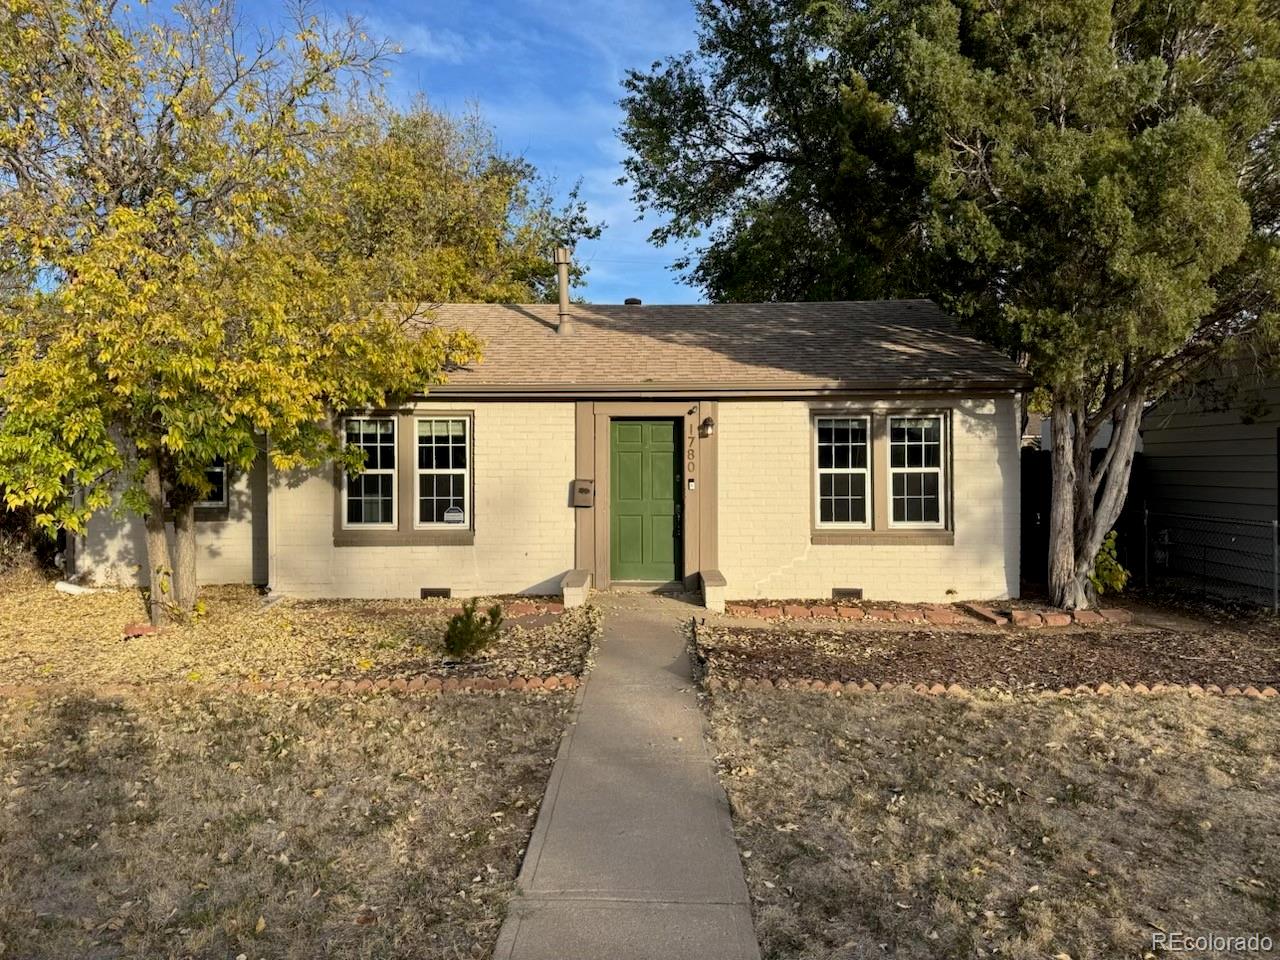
(443, 465)
(371, 494)
(843, 458)
(371, 498)
(915, 461)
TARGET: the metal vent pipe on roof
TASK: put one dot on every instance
(563, 323)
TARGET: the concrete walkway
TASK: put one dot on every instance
(633, 853)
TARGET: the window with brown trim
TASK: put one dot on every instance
(444, 472)
(843, 466)
(916, 456)
(417, 488)
(880, 477)
(369, 498)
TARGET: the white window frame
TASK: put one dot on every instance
(226, 490)
(940, 470)
(394, 473)
(420, 472)
(819, 471)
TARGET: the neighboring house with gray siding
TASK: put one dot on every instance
(797, 450)
(1211, 485)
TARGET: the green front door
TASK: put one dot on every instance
(644, 500)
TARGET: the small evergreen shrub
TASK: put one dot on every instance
(468, 632)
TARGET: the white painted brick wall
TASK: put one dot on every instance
(524, 461)
(524, 527)
(113, 550)
(765, 522)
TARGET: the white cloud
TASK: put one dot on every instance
(428, 43)
(547, 79)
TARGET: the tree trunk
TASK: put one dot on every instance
(184, 560)
(1086, 502)
(160, 587)
(1063, 589)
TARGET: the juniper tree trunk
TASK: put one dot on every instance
(1064, 591)
(158, 578)
(184, 559)
(1087, 500)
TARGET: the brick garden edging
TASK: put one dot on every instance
(937, 614)
(837, 687)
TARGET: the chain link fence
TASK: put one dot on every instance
(1224, 557)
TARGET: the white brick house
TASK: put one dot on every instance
(748, 450)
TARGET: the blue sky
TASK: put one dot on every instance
(547, 77)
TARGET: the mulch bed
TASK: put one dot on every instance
(1016, 661)
(998, 613)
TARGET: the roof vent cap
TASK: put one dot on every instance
(632, 301)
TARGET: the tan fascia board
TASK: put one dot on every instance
(714, 390)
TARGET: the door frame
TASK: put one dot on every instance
(699, 527)
(680, 487)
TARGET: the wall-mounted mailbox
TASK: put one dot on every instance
(584, 493)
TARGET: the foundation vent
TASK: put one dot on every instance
(426, 592)
(846, 593)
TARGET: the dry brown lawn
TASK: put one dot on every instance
(895, 825)
(265, 825)
(148, 812)
(49, 637)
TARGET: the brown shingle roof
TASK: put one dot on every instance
(723, 349)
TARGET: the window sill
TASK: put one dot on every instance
(404, 538)
(902, 538)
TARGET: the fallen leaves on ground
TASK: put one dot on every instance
(49, 637)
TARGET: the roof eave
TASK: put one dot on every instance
(709, 389)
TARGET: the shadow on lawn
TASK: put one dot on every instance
(55, 829)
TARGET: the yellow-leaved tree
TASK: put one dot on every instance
(210, 240)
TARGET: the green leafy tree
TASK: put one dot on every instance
(1092, 185)
(422, 207)
(176, 296)
(771, 145)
